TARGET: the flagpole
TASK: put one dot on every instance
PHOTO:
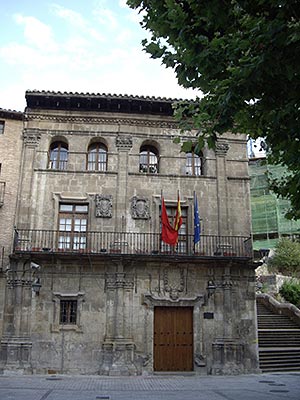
(161, 199)
(176, 218)
(194, 195)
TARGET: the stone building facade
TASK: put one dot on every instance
(11, 125)
(91, 288)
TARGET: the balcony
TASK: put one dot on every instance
(105, 244)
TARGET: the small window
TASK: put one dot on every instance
(97, 157)
(149, 159)
(58, 156)
(1, 127)
(194, 164)
(68, 312)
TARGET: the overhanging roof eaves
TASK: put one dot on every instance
(101, 102)
(11, 114)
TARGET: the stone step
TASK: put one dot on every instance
(284, 356)
(279, 325)
(278, 341)
(280, 368)
(276, 344)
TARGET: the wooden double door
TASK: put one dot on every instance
(173, 338)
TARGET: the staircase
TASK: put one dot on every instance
(278, 341)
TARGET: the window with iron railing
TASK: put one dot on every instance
(68, 312)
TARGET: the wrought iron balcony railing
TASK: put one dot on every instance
(93, 243)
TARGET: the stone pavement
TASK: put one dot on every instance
(274, 386)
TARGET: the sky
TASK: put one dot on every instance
(91, 46)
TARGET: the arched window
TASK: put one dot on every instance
(97, 157)
(58, 155)
(194, 164)
(149, 159)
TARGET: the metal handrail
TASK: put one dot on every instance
(94, 242)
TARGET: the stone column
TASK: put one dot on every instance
(222, 197)
(16, 343)
(227, 350)
(24, 212)
(123, 144)
(118, 346)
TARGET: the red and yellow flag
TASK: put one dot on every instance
(169, 234)
(178, 217)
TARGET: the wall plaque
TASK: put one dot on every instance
(103, 206)
(140, 208)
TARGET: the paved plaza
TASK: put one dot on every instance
(155, 387)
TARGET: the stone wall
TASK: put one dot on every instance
(114, 332)
(10, 161)
(223, 190)
(116, 296)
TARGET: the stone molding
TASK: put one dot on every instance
(119, 280)
(31, 137)
(24, 276)
(103, 206)
(102, 121)
(124, 142)
(56, 326)
(155, 301)
(221, 148)
(140, 208)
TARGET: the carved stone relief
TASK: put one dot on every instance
(103, 121)
(103, 206)
(119, 280)
(31, 138)
(124, 142)
(221, 148)
(174, 282)
(140, 208)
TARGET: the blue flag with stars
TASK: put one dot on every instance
(197, 227)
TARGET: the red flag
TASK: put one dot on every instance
(169, 235)
(178, 217)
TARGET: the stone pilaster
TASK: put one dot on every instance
(16, 343)
(123, 144)
(31, 141)
(222, 195)
(118, 348)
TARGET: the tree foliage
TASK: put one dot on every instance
(290, 291)
(244, 56)
(286, 259)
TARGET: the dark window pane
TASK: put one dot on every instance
(68, 311)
